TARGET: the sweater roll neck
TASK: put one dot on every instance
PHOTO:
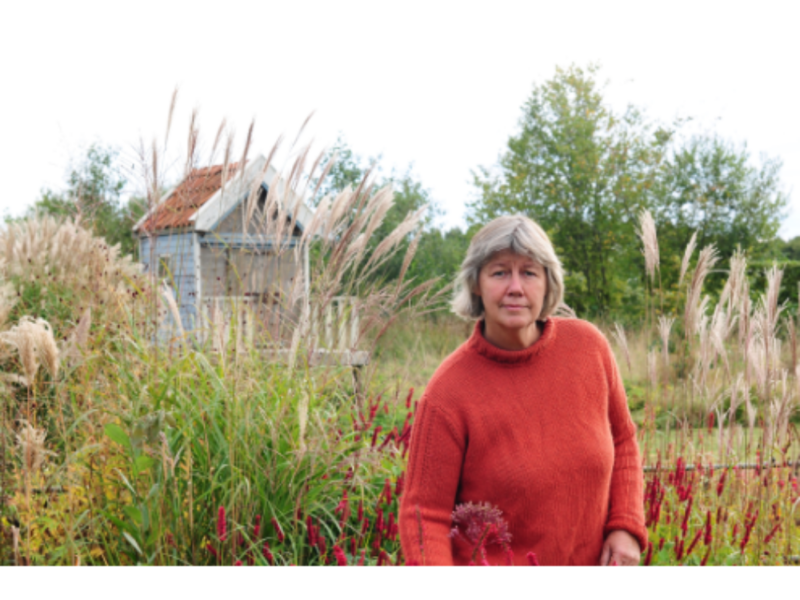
(479, 344)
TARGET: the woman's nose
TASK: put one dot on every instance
(514, 284)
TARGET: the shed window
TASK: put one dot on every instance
(165, 266)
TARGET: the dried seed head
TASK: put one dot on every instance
(34, 341)
(31, 445)
(647, 233)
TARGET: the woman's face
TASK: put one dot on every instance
(512, 288)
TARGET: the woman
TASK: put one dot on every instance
(530, 416)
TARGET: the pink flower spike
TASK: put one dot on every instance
(532, 560)
(341, 559)
(222, 532)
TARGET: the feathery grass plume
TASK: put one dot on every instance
(33, 339)
(8, 299)
(772, 311)
(31, 445)
(707, 259)
(169, 297)
(647, 233)
(622, 340)
(664, 328)
(170, 114)
(71, 351)
(687, 256)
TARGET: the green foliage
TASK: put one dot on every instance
(94, 191)
(585, 172)
(438, 254)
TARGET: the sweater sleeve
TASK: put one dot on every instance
(626, 509)
(434, 470)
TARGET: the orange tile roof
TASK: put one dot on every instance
(194, 191)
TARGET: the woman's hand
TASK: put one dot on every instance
(620, 548)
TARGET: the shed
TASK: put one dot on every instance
(219, 262)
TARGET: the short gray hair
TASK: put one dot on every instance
(522, 236)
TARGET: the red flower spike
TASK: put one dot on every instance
(721, 484)
(532, 560)
(409, 397)
(772, 533)
(360, 510)
(363, 557)
(268, 554)
(238, 563)
(341, 559)
(222, 532)
(704, 562)
(375, 433)
(278, 530)
(387, 491)
(707, 537)
(695, 539)
(379, 521)
(648, 557)
(212, 550)
(353, 548)
(661, 544)
(398, 486)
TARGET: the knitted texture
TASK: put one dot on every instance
(544, 434)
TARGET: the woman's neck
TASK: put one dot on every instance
(517, 339)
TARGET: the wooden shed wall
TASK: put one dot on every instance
(180, 248)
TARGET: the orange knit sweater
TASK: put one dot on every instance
(544, 434)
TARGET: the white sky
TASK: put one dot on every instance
(435, 84)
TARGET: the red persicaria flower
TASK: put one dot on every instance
(375, 436)
(772, 533)
(257, 527)
(387, 491)
(379, 521)
(409, 397)
(238, 563)
(222, 532)
(648, 558)
(661, 544)
(707, 537)
(212, 550)
(721, 484)
(278, 531)
(268, 554)
(364, 526)
(532, 560)
(320, 542)
(360, 510)
(353, 546)
(384, 559)
(341, 559)
(695, 539)
(363, 556)
(398, 486)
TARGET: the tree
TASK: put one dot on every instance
(583, 173)
(94, 190)
(710, 186)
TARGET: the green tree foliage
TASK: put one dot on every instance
(438, 254)
(94, 191)
(710, 186)
(585, 172)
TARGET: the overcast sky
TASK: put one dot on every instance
(436, 85)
